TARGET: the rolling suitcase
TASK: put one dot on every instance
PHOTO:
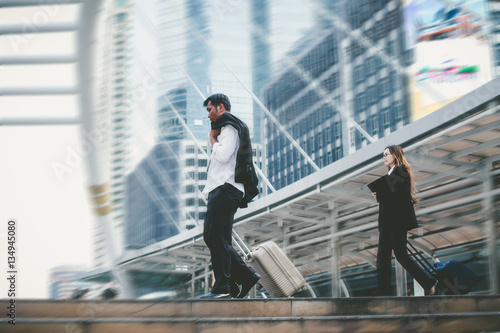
(454, 278)
(277, 273)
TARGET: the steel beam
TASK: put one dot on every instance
(492, 233)
(22, 29)
(27, 3)
(40, 121)
(38, 59)
(29, 91)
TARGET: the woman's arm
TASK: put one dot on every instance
(402, 185)
(399, 188)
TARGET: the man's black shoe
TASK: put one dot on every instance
(245, 287)
(234, 290)
(215, 296)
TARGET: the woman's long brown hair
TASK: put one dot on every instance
(399, 157)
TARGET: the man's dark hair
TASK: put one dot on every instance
(217, 99)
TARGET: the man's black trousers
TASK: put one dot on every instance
(227, 265)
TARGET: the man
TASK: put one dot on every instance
(231, 183)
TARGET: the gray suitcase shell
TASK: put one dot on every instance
(279, 276)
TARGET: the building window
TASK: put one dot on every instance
(202, 163)
(370, 65)
(393, 80)
(362, 100)
(319, 162)
(384, 87)
(190, 162)
(358, 74)
(319, 137)
(120, 18)
(190, 149)
(311, 146)
(398, 111)
(374, 125)
(189, 188)
(386, 119)
(190, 202)
(391, 48)
(338, 153)
(295, 130)
(373, 94)
(363, 126)
(202, 176)
(336, 130)
(328, 135)
(497, 54)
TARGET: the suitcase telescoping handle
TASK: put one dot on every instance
(242, 246)
(424, 263)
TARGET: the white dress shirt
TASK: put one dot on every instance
(392, 169)
(222, 166)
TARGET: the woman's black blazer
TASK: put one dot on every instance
(395, 206)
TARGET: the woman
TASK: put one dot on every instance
(396, 217)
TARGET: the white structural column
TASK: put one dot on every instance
(336, 253)
(491, 231)
(207, 286)
(400, 279)
(94, 126)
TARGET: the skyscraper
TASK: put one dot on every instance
(152, 206)
(261, 58)
(377, 92)
(333, 80)
(113, 95)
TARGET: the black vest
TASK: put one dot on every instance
(245, 171)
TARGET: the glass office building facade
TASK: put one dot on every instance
(151, 205)
(333, 81)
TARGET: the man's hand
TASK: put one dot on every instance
(213, 135)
